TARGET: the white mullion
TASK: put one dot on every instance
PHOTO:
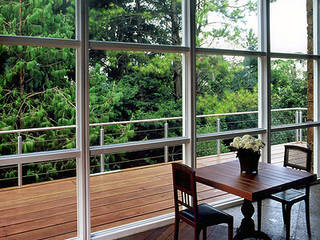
(264, 103)
(189, 82)
(316, 84)
(82, 100)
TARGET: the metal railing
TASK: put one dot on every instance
(298, 119)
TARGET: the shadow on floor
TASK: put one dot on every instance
(271, 223)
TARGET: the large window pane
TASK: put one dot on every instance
(40, 210)
(37, 91)
(288, 137)
(45, 18)
(288, 26)
(231, 24)
(227, 89)
(289, 91)
(128, 88)
(227, 99)
(140, 21)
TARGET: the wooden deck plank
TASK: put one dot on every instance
(48, 210)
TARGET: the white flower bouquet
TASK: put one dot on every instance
(247, 142)
(248, 152)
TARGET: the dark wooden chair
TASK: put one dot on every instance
(187, 208)
(299, 158)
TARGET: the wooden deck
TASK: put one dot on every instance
(49, 211)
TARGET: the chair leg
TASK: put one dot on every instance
(288, 220)
(204, 233)
(308, 216)
(259, 206)
(230, 230)
(196, 233)
(176, 228)
(284, 213)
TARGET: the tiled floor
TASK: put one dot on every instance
(271, 223)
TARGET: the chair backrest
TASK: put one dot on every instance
(297, 157)
(184, 188)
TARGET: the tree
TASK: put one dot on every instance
(219, 20)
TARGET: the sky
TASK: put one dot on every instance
(288, 26)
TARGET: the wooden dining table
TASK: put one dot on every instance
(252, 187)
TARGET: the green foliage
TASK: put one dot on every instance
(213, 75)
(288, 84)
(222, 20)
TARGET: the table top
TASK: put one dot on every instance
(270, 179)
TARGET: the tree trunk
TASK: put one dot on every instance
(21, 72)
(177, 78)
(139, 22)
(310, 72)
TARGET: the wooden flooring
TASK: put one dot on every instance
(49, 211)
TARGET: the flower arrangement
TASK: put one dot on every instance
(247, 142)
(248, 153)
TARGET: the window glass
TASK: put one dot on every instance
(288, 26)
(227, 89)
(134, 96)
(139, 21)
(37, 90)
(231, 24)
(49, 204)
(289, 91)
(227, 98)
(41, 18)
(289, 137)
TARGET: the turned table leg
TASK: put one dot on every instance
(247, 228)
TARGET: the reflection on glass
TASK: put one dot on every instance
(142, 21)
(45, 18)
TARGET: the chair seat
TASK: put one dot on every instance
(208, 215)
(289, 195)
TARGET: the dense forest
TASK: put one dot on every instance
(37, 84)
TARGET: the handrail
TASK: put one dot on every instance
(142, 121)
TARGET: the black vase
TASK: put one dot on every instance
(249, 161)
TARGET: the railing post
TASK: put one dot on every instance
(101, 155)
(300, 113)
(218, 140)
(19, 164)
(166, 152)
(297, 121)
